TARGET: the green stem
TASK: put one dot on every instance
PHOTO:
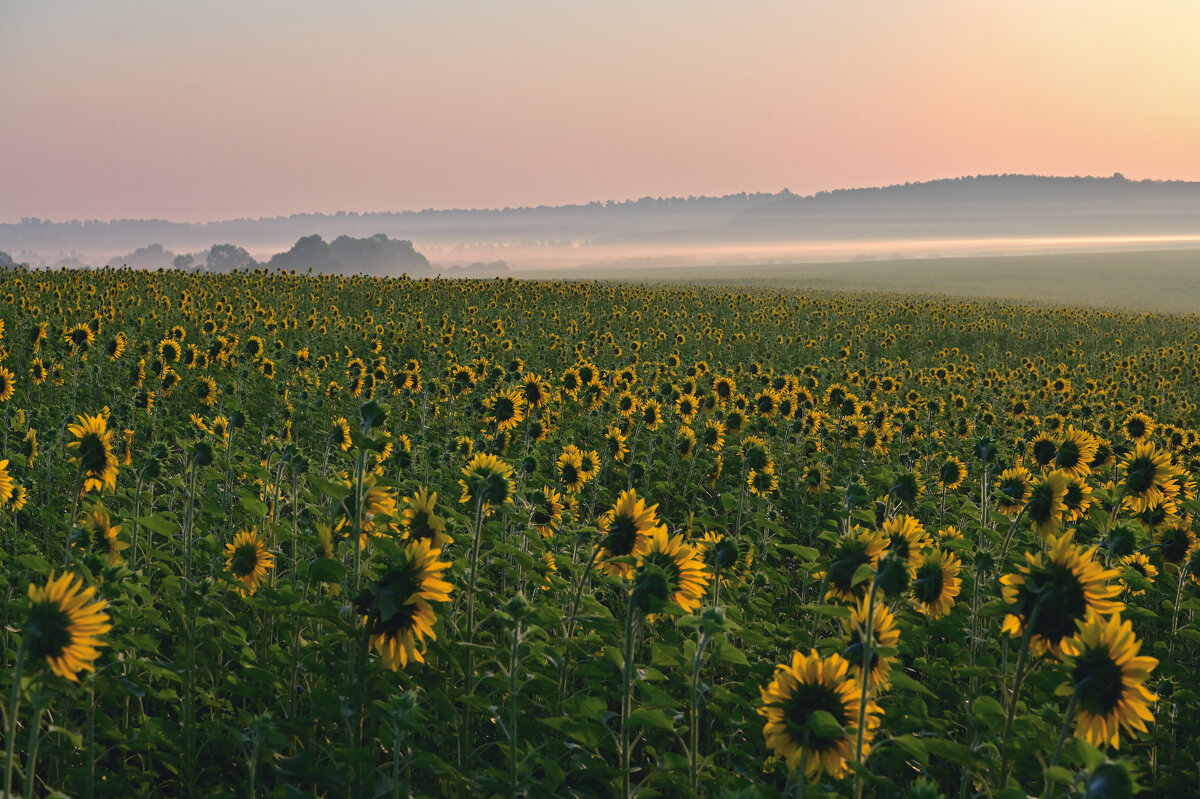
(627, 696)
(1018, 682)
(1062, 737)
(13, 703)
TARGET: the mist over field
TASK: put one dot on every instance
(963, 217)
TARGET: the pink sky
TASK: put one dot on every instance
(222, 109)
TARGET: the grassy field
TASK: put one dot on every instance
(1149, 280)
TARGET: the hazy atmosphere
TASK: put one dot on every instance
(209, 111)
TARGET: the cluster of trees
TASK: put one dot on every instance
(377, 255)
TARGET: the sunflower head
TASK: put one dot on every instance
(1055, 590)
(811, 707)
(625, 532)
(680, 563)
(64, 625)
(247, 559)
(419, 519)
(1107, 678)
(397, 608)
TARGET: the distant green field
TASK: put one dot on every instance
(1152, 280)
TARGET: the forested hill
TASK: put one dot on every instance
(1002, 205)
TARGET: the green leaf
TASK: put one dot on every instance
(901, 680)
(804, 553)
(863, 573)
(824, 725)
(949, 750)
(253, 506)
(989, 711)
(836, 611)
(330, 489)
(731, 654)
(658, 719)
(913, 746)
(326, 570)
(159, 524)
(35, 563)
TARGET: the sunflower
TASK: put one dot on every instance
(79, 337)
(1063, 585)
(8, 385)
(220, 428)
(1108, 680)
(206, 391)
(799, 690)
(7, 486)
(419, 520)
(1138, 427)
(102, 534)
(1043, 450)
(1047, 502)
(546, 511)
(683, 565)
(651, 414)
(936, 582)
(762, 482)
(570, 469)
(340, 434)
(616, 444)
(487, 480)
(534, 390)
(1141, 564)
(1076, 452)
(1078, 498)
(398, 615)
(506, 409)
(247, 559)
(92, 450)
(905, 537)
(625, 531)
(64, 625)
(1173, 542)
(860, 547)
(885, 633)
(713, 436)
(951, 473)
(1013, 490)
(726, 556)
(814, 479)
(1149, 480)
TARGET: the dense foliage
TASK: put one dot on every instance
(266, 534)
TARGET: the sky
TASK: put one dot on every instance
(222, 109)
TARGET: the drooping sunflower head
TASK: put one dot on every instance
(419, 520)
(625, 531)
(952, 473)
(906, 538)
(884, 633)
(546, 511)
(808, 685)
(683, 565)
(1013, 490)
(936, 583)
(64, 625)
(103, 535)
(1173, 541)
(1061, 586)
(1108, 679)
(92, 450)
(507, 409)
(1047, 502)
(486, 480)
(247, 559)
(1137, 562)
(1076, 452)
(570, 469)
(397, 608)
(861, 547)
(1137, 427)
(1149, 478)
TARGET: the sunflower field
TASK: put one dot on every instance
(279, 535)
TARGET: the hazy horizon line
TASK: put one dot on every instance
(785, 191)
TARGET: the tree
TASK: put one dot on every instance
(183, 262)
(227, 257)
